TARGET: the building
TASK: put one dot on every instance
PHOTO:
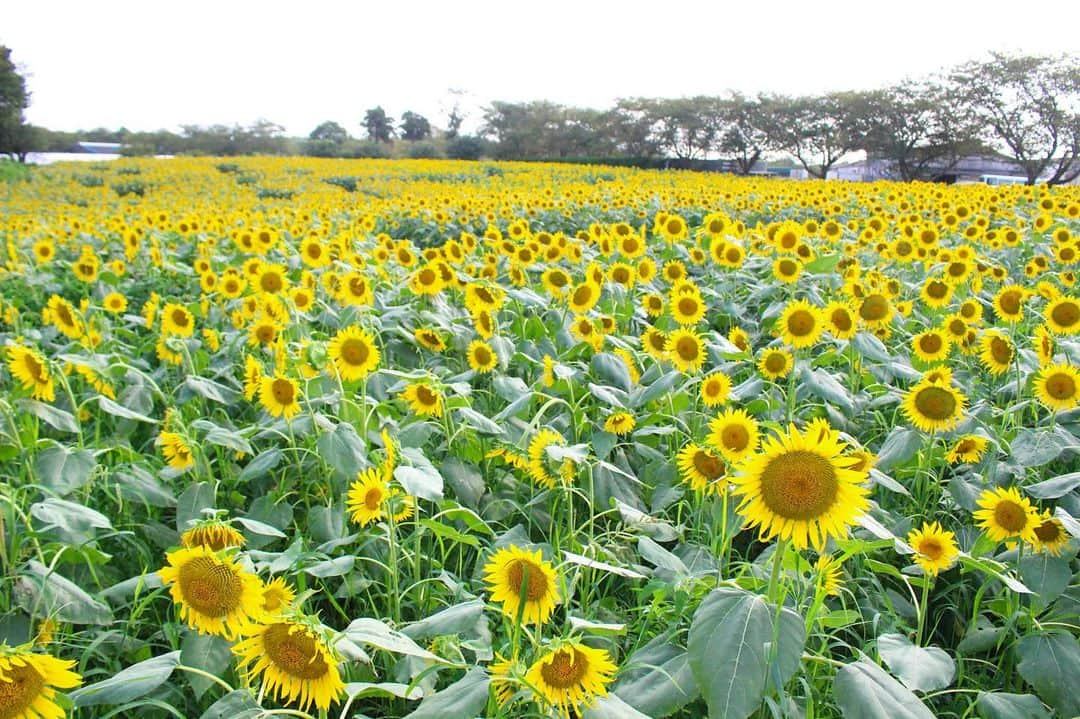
(972, 169)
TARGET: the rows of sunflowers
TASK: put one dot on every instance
(306, 438)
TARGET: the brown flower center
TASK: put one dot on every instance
(708, 465)
(294, 652)
(799, 485)
(1061, 386)
(565, 669)
(1010, 516)
(283, 391)
(930, 548)
(936, 403)
(735, 437)
(355, 351)
(525, 577)
(874, 308)
(801, 323)
(19, 690)
(1066, 313)
(209, 587)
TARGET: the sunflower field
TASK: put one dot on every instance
(315, 438)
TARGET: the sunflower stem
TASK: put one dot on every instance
(774, 577)
(922, 612)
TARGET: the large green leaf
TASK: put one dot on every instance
(1054, 488)
(464, 699)
(377, 634)
(1050, 662)
(343, 450)
(919, 668)
(237, 704)
(730, 645)
(656, 679)
(136, 681)
(53, 416)
(63, 470)
(42, 592)
(612, 706)
(864, 690)
(207, 652)
(901, 445)
(1046, 575)
(1001, 705)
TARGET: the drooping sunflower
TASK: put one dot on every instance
(28, 683)
(1050, 535)
(481, 356)
(931, 346)
(430, 339)
(215, 533)
(278, 596)
(28, 366)
(715, 389)
(296, 662)
(1045, 344)
(996, 352)
(934, 406)
(253, 376)
(215, 594)
(801, 324)
(1063, 316)
(515, 574)
(424, 399)
(829, 575)
(354, 353)
(505, 679)
(775, 363)
(64, 317)
(968, 448)
(620, 423)
(1058, 387)
(1005, 514)
(571, 676)
(280, 396)
(935, 548)
(538, 457)
(801, 487)
(177, 451)
(734, 433)
(702, 469)
(685, 349)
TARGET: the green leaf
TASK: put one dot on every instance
(823, 264)
(1050, 662)
(479, 422)
(261, 465)
(118, 410)
(464, 699)
(424, 482)
(825, 386)
(343, 450)
(377, 634)
(72, 520)
(729, 649)
(657, 680)
(608, 395)
(901, 445)
(465, 480)
(1001, 705)
(871, 347)
(53, 416)
(211, 390)
(135, 484)
(864, 690)
(362, 690)
(190, 505)
(332, 567)
(209, 653)
(612, 706)
(136, 681)
(1046, 575)
(642, 396)
(1054, 488)
(64, 470)
(457, 619)
(1035, 447)
(45, 593)
(237, 704)
(612, 370)
(919, 668)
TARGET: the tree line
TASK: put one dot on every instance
(1021, 107)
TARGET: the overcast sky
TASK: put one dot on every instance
(148, 65)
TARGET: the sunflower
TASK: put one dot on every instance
(524, 584)
(738, 337)
(935, 548)
(801, 324)
(353, 353)
(28, 683)
(787, 269)
(801, 487)
(1005, 514)
(482, 357)
(1058, 387)
(584, 297)
(968, 448)
(685, 349)
(620, 423)
(654, 341)
(829, 575)
(734, 434)
(295, 661)
(430, 339)
(840, 320)
(538, 466)
(505, 677)
(1050, 535)
(555, 281)
(215, 594)
(32, 372)
(1009, 303)
(687, 309)
(177, 451)
(936, 293)
(775, 363)
(368, 497)
(571, 676)
(278, 596)
(875, 310)
(653, 304)
(931, 346)
(934, 406)
(996, 353)
(1045, 344)
(253, 376)
(424, 399)
(214, 533)
(1063, 316)
(63, 316)
(280, 396)
(702, 469)
(177, 321)
(115, 303)
(715, 389)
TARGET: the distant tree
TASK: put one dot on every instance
(465, 147)
(414, 126)
(630, 125)
(378, 125)
(453, 122)
(15, 136)
(743, 134)
(1030, 109)
(817, 130)
(330, 131)
(684, 127)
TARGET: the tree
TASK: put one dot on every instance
(414, 126)
(15, 135)
(744, 135)
(331, 132)
(453, 122)
(378, 125)
(685, 127)
(817, 130)
(1030, 108)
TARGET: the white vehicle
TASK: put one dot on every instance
(1002, 180)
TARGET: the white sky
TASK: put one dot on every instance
(149, 65)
